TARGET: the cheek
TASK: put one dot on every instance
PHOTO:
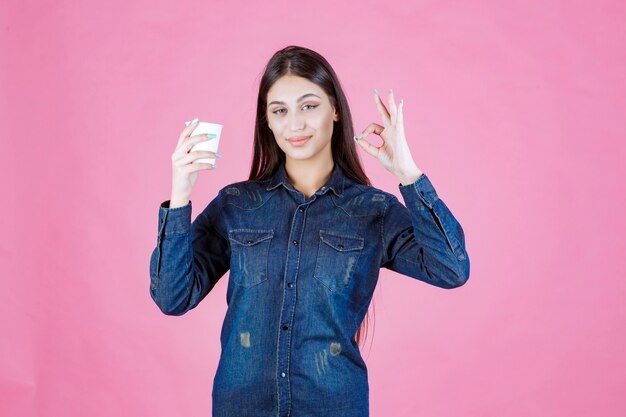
(279, 137)
(322, 124)
(326, 124)
(277, 126)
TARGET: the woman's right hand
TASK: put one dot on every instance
(184, 169)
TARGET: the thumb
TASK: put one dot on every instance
(367, 147)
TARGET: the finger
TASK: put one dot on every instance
(392, 107)
(371, 128)
(193, 140)
(381, 108)
(187, 131)
(368, 147)
(400, 121)
(192, 156)
(197, 167)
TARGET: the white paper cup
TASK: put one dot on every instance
(213, 129)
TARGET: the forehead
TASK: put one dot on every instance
(290, 88)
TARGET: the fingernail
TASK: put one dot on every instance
(194, 120)
(376, 91)
(354, 137)
(401, 101)
(214, 166)
(218, 155)
(360, 136)
(211, 135)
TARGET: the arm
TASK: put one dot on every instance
(424, 240)
(189, 258)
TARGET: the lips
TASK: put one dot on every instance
(299, 141)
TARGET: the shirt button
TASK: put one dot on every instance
(282, 374)
(300, 209)
(285, 327)
(289, 284)
(323, 188)
(295, 242)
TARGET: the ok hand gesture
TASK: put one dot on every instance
(394, 153)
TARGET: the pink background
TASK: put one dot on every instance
(515, 110)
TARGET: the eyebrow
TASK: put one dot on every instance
(299, 100)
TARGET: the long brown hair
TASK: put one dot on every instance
(306, 63)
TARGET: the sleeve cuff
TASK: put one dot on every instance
(421, 190)
(174, 221)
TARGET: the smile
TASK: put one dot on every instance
(299, 141)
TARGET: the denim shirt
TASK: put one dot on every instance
(302, 275)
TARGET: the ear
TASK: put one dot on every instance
(336, 118)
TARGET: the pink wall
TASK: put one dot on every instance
(516, 110)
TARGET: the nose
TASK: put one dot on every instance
(296, 121)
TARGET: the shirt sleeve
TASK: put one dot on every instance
(189, 258)
(423, 240)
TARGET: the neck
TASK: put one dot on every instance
(307, 176)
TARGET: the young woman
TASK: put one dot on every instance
(304, 239)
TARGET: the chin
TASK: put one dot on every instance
(300, 156)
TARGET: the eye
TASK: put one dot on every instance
(309, 105)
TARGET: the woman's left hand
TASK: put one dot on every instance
(394, 153)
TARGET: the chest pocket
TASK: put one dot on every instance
(337, 258)
(249, 255)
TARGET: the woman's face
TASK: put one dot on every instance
(299, 108)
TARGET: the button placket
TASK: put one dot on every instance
(287, 311)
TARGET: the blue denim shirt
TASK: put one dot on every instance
(302, 274)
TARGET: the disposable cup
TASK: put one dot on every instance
(214, 130)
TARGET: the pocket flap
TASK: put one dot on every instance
(249, 237)
(341, 243)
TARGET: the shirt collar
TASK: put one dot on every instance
(336, 181)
